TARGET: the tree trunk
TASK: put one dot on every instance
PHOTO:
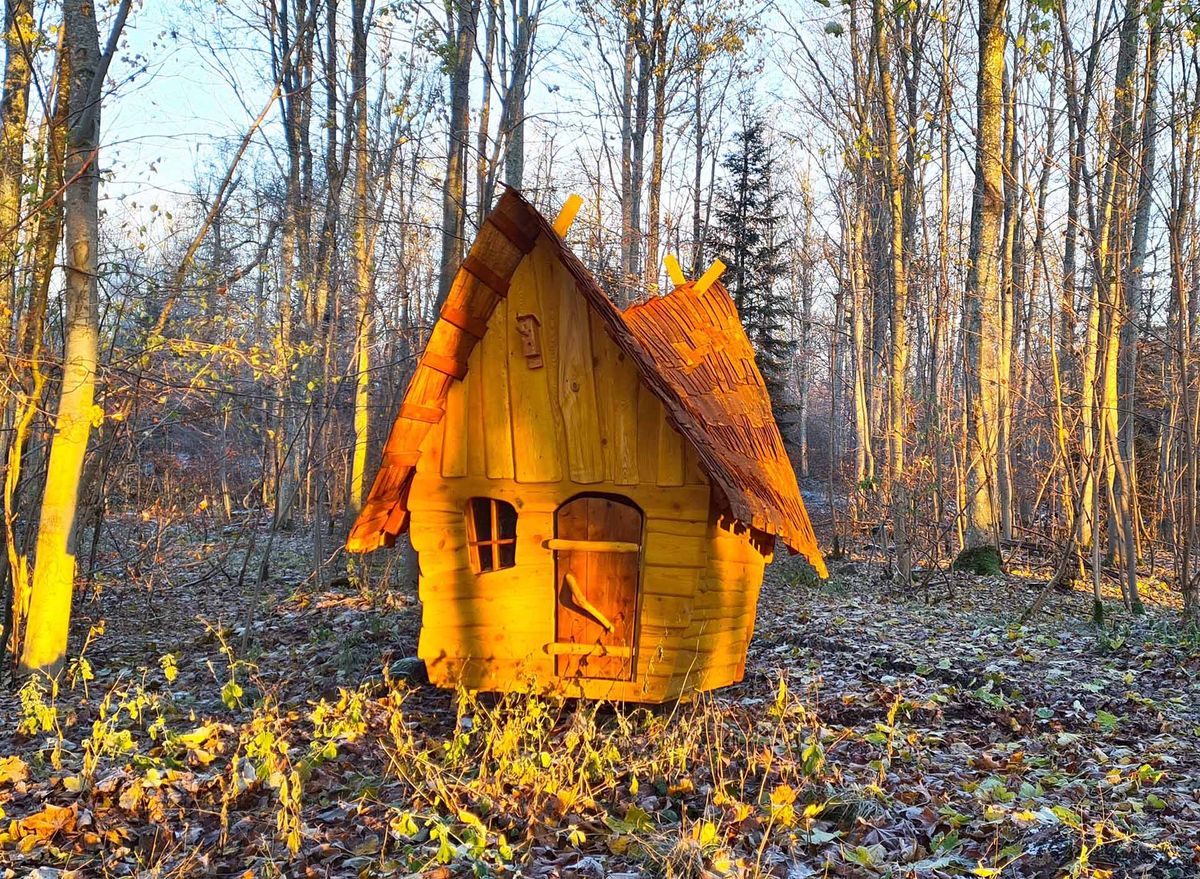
(1127, 366)
(983, 292)
(660, 38)
(462, 17)
(18, 43)
(898, 396)
(513, 123)
(363, 269)
(45, 643)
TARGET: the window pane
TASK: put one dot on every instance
(506, 516)
(481, 510)
(508, 555)
(485, 556)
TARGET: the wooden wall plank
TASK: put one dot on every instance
(670, 455)
(675, 550)
(649, 415)
(476, 457)
(678, 580)
(665, 611)
(497, 410)
(617, 384)
(577, 388)
(431, 449)
(535, 419)
(454, 443)
(682, 527)
(693, 473)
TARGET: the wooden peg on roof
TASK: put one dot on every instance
(562, 223)
(674, 272)
(709, 278)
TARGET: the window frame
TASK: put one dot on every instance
(494, 542)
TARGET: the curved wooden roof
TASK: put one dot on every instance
(721, 404)
(690, 349)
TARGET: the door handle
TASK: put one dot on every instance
(586, 606)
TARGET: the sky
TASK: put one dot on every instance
(189, 80)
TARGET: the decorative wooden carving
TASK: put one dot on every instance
(530, 329)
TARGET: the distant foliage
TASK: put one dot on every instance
(752, 238)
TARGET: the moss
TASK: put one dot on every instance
(979, 560)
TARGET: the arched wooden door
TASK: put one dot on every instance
(597, 565)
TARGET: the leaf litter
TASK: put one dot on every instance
(878, 732)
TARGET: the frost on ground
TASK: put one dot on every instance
(879, 732)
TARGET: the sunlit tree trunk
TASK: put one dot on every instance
(982, 324)
(46, 237)
(864, 469)
(1009, 289)
(363, 268)
(45, 643)
(898, 379)
(1080, 368)
(483, 164)
(1132, 283)
(1180, 226)
(1112, 253)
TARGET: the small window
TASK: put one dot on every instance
(492, 526)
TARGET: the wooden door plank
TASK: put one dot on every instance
(608, 581)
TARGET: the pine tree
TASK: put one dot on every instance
(752, 241)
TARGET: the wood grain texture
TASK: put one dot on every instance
(608, 582)
(662, 404)
(689, 349)
(536, 422)
(576, 386)
(492, 375)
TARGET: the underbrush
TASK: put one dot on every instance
(377, 782)
(873, 737)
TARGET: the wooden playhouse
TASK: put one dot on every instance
(592, 493)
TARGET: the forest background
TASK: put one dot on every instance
(963, 240)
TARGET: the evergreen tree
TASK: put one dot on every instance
(751, 238)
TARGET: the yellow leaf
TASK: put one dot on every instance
(12, 770)
(784, 795)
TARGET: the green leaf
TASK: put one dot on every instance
(1066, 816)
(817, 836)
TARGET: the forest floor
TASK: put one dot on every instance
(879, 732)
